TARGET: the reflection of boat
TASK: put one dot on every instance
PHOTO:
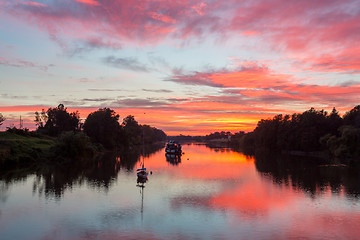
(173, 148)
(173, 159)
(141, 184)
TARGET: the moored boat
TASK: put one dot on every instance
(173, 148)
(142, 173)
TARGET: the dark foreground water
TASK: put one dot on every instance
(207, 194)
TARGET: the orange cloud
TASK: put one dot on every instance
(89, 2)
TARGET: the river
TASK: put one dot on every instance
(210, 193)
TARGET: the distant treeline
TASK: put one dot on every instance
(313, 132)
(210, 137)
(101, 126)
(310, 131)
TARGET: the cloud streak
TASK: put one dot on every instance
(125, 63)
(20, 63)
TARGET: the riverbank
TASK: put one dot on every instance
(21, 149)
(24, 149)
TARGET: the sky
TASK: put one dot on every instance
(187, 67)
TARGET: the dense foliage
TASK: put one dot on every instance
(312, 130)
(152, 133)
(70, 146)
(57, 120)
(103, 127)
(132, 130)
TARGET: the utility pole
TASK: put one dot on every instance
(21, 123)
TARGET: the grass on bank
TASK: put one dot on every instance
(15, 148)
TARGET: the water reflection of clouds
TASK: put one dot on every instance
(120, 217)
(238, 188)
(325, 225)
(213, 195)
(254, 198)
(187, 201)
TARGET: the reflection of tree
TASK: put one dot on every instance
(305, 174)
(218, 146)
(52, 180)
(3, 192)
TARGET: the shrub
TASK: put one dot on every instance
(72, 146)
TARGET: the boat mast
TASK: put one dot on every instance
(143, 162)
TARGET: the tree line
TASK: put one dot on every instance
(61, 136)
(310, 131)
(101, 126)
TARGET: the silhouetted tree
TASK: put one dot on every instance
(103, 127)
(160, 135)
(300, 131)
(152, 134)
(309, 127)
(133, 131)
(41, 118)
(335, 121)
(346, 146)
(217, 135)
(57, 120)
(353, 117)
(2, 119)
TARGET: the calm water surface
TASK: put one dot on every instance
(207, 194)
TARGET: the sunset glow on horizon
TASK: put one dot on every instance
(186, 67)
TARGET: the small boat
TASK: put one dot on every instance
(142, 173)
(173, 148)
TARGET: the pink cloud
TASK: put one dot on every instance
(34, 4)
(302, 29)
(141, 22)
(89, 2)
(348, 60)
(163, 18)
(199, 9)
(308, 28)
